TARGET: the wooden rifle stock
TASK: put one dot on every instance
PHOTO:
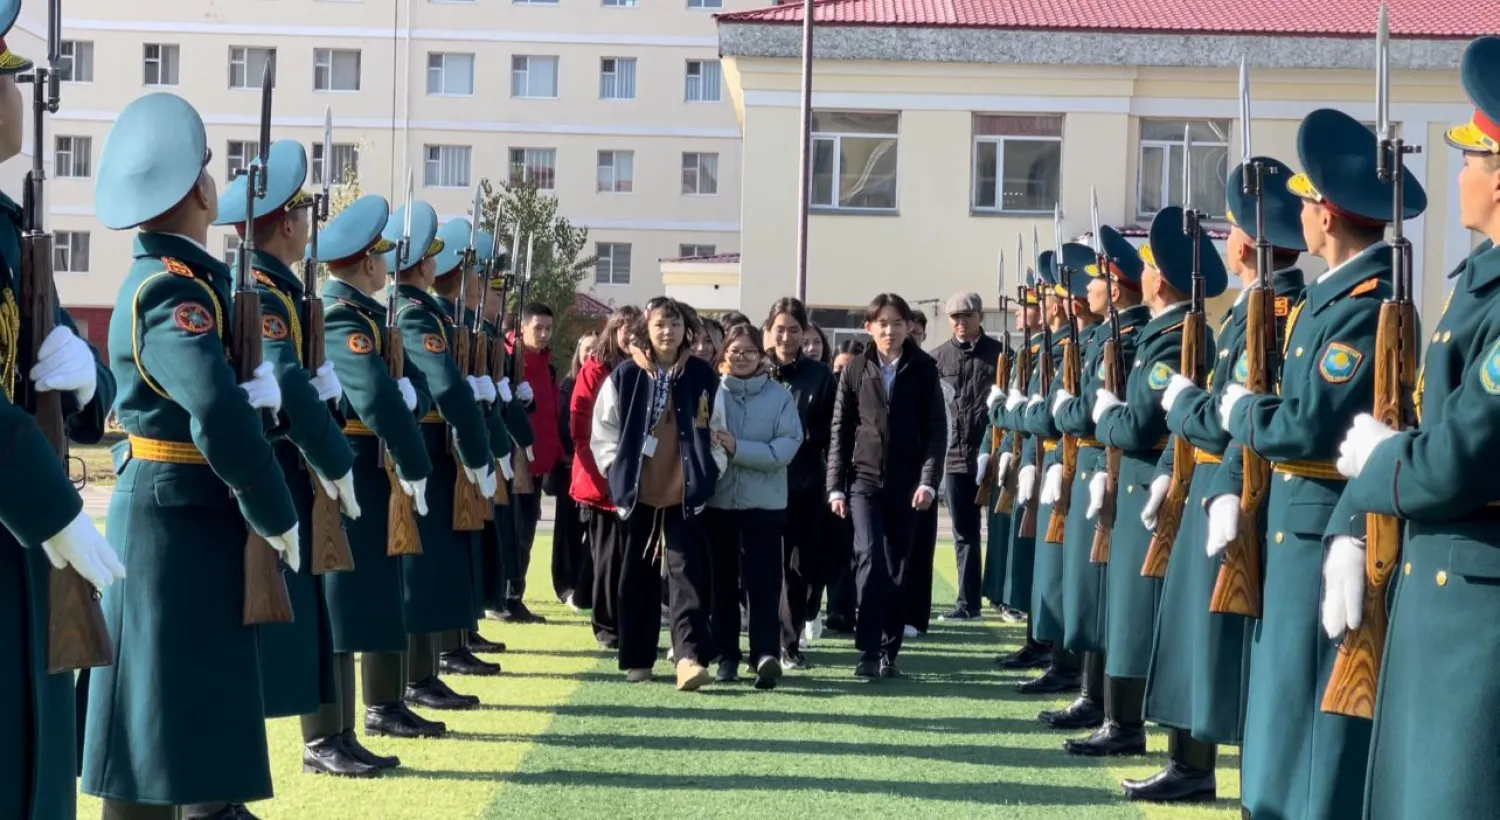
(1356, 669)
(402, 537)
(330, 544)
(992, 471)
(1071, 376)
(1030, 513)
(468, 502)
(1006, 503)
(481, 370)
(1169, 515)
(518, 458)
(1104, 523)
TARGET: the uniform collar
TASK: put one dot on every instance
(1372, 262)
(181, 248)
(1134, 316)
(1483, 267)
(421, 297)
(345, 292)
(286, 281)
(1368, 251)
(450, 306)
(1166, 320)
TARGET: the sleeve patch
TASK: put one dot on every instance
(1241, 373)
(361, 344)
(1339, 363)
(1283, 306)
(1160, 376)
(175, 267)
(1364, 287)
(1489, 375)
(435, 343)
(193, 318)
(273, 327)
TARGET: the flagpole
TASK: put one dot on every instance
(804, 159)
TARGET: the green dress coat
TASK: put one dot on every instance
(1139, 429)
(1020, 553)
(1297, 761)
(1433, 751)
(180, 530)
(1200, 661)
(365, 606)
(296, 659)
(997, 524)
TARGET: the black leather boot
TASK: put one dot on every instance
(1061, 675)
(1187, 778)
(328, 756)
(1031, 655)
(1087, 710)
(463, 662)
(395, 720)
(358, 751)
(1124, 730)
(483, 646)
(433, 694)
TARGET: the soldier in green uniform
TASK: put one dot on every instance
(365, 606)
(503, 540)
(1200, 660)
(195, 473)
(437, 582)
(1432, 750)
(1082, 581)
(297, 669)
(1000, 524)
(42, 523)
(1297, 761)
(1137, 426)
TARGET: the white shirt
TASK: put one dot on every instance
(1366, 252)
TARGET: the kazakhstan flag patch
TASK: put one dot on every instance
(1160, 376)
(1489, 375)
(1242, 368)
(1339, 363)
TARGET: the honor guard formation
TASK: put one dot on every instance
(1269, 529)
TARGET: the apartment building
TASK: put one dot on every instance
(618, 107)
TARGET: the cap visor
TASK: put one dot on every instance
(13, 63)
(1468, 137)
(1301, 186)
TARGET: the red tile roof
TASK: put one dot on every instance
(1428, 19)
(589, 306)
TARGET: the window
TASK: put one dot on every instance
(1017, 162)
(695, 251)
(231, 248)
(447, 166)
(75, 62)
(450, 75)
(616, 172)
(160, 63)
(335, 69)
(343, 167)
(617, 78)
(70, 251)
(533, 77)
(700, 173)
(74, 157)
(613, 267)
(854, 160)
(247, 66)
(535, 2)
(535, 165)
(239, 155)
(703, 81)
(621, 4)
(1160, 182)
(705, 4)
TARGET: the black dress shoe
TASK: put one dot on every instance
(1110, 740)
(1051, 682)
(395, 720)
(838, 625)
(363, 755)
(867, 669)
(463, 662)
(478, 643)
(957, 614)
(231, 811)
(431, 694)
(729, 672)
(442, 686)
(1082, 713)
(328, 756)
(1029, 656)
(517, 613)
(1174, 784)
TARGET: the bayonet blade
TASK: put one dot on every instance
(1035, 254)
(327, 154)
(1057, 237)
(530, 247)
(1187, 166)
(474, 225)
(404, 259)
(1382, 73)
(1094, 221)
(1245, 152)
(267, 85)
(1000, 271)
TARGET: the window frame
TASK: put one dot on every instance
(615, 73)
(837, 137)
(600, 256)
(332, 53)
(443, 73)
(999, 141)
(73, 154)
(556, 76)
(698, 171)
(687, 78)
(168, 55)
(526, 166)
(614, 169)
(703, 5)
(63, 53)
(442, 149)
(245, 159)
(315, 164)
(682, 250)
(229, 253)
(251, 83)
(70, 250)
(1142, 144)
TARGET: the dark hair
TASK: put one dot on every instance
(535, 309)
(736, 333)
(853, 347)
(791, 306)
(733, 318)
(608, 352)
(672, 309)
(891, 300)
(827, 355)
(713, 330)
(919, 318)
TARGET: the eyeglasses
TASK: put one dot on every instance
(743, 355)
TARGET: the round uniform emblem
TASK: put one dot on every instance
(434, 343)
(361, 344)
(1489, 375)
(1160, 376)
(193, 318)
(1339, 363)
(272, 327)
(1242, 368)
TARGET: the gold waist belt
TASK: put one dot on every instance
(1321, 470)
(1205, 457)
(357, 428)
(171, 452)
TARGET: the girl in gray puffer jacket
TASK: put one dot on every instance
(756, 424)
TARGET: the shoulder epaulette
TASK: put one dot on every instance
(1283, 305)
(1125, 330)
(265, 279)
(1364, 287)
(176, 267)
(1177, 326)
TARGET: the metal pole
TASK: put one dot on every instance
(804, 158)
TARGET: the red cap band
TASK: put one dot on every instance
(1489, 127)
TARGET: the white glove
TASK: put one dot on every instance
(984, 461)
(502, 387)
(1104, 401)
(523, 392)
(995, 396)
(342, 491)
(326, 382)
(484, 389)
(1026, 484)
(1036, 398)
(1062, 397)
(484, 478)
(1005, 459)
(1364, 435)
(285, 545)
(1096, 494)
(408, 393)
(1223, 522)
(1343, 585)
(1174, 389)
(506, 469)
(65, 363)
(80, 545)
(1013, 400)
(417, 492)
(1159, 487)
(1052, 485)
(263, 391)
(1232, 394)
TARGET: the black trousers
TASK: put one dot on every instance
(679, 540)
(745, 551)
(838, 571)
(968, 543)
(803, 552)
(607, 544)
(883, 536)
(528, 511)
(572, 563)
(916, 573)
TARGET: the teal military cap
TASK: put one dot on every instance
(1339, 154)
(455, 235)
(286, 171)
(1480, 72)
(354, 232)
(1076, 258)
(150, 162)
(1170, 250)
(1283, 210)
(1124, 259)
(424, 228)
(10, 62)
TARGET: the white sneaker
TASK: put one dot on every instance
(671, 655)
(812, 631)
(911, 631)
(572, 605)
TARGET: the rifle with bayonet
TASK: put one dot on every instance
(76, 634)
(1072, 372)
(519, 459)
(1114, 381)
(266, 597)
(480, 345)
(1356, 669)
(469, 503)
(1192, 366)
(330, 544)
(402, 537)
(1020, 369)
(1002, 377)
(1027, 527)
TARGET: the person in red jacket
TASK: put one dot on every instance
(538, 390)
(589, 488)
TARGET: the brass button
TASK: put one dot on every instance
(1447, 334)
(1286, 476)
(1407, 569)
(1280, 536)
(1299, 351)
(1130, 489)
(1224, 354)
(1437, 335)
(1442, 578)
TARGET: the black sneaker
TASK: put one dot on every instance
(957, 614)
(767, 672)
(867, 669)
(793, 659)
(889, 669)
(517, 613)
(728, 672)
